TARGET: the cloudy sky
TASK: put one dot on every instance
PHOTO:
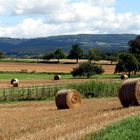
(40, 18)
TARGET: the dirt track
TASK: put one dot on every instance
(30, 83)
(42, 121)
(38, 67)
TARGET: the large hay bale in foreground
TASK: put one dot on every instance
(57, 77)
(14, 82)
(129, 93)
(124, 76)
(66, 99)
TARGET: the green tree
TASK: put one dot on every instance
(1, 55)
(48, 56)
(112, 57)
(59, 54)
(94, 54)
(87, 69)
(127, 63)
(76, 52)
(135, 48)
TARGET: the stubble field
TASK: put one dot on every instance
(43, 67)
(42, 120)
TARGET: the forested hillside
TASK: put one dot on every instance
(35, 46)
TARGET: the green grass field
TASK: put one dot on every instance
(106, 76)
(126, 129)
(47, 76)
(31, 76)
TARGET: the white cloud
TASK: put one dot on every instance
(53, 17)
(37, 7)
(4, 6)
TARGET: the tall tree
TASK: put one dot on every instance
(94, 54)
(112, 57)
(135, 48)
(1, 54)
(48, 56)
(59, 54)
(76, 52)
(127, 63)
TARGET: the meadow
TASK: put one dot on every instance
(32, 75)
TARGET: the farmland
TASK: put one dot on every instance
(43, 67)
(24, 116)
(33, 74)
(41, 120)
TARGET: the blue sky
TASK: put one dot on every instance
(128, 6)
(32, 18)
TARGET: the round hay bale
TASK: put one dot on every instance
(14, 82)
(124, 76)
(129, 93)
(57, 77)
(66, 99)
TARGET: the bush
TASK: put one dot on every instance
(87, 69)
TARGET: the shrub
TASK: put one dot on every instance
(87, 69)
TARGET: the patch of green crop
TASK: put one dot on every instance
(87, 90)
(126, 129)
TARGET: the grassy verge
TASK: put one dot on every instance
(98, 89)
(114, 76)
(106, 76)
(87, 90)
(19, 60)
(126, 129)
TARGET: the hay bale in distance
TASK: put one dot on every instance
(57, 77)
(129, 93)
(124, 76)
(66, 99)
(14, 82)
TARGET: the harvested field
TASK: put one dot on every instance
(40, 67)
(42, 120)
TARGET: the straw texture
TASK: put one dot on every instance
(66, 99)
(129, 93)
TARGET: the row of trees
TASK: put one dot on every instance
(77, 53)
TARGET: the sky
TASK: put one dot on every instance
(42, 18)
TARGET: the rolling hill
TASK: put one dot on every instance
(35, 46)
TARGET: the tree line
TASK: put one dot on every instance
(77, 53)
(128, 61)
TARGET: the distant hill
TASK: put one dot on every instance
(35, 46)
